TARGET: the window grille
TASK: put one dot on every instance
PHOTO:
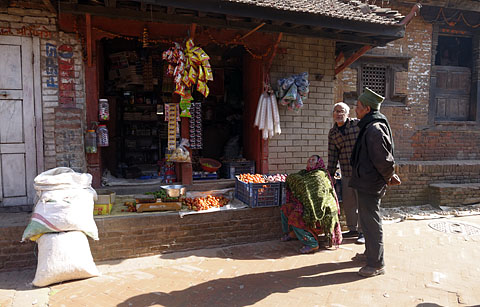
(373, 77)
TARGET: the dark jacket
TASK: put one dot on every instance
(372, 157)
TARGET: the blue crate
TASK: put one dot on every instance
(283, 193)
(257, 195)
(231, 169)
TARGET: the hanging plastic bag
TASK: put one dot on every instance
(181, 153)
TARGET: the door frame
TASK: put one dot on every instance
(35, 49)
(38, 104)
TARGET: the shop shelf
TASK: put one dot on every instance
(231, 169)
(257, 195)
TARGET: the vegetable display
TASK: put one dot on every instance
(251, 178)
(204, 203)
(259, 178)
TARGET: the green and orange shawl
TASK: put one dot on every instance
(311, 194)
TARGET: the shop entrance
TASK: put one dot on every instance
(138, 89)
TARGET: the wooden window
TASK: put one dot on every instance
(374, 77)
(386, 75)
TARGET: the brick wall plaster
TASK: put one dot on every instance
(304, 133)
(62, 146)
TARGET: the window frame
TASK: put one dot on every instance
(392, 64)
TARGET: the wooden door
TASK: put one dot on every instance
(452, 93)
(17, 122)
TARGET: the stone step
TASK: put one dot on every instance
(454, 194)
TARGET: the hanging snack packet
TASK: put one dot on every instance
(180, 89)
(189, 44)
(185, 106)
(192, 75)
(201, 74)
(208, 72)
(202, 88)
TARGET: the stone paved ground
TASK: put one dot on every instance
(425, 267)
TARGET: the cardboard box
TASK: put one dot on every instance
(104, 203)
(105, 197)
(103, 209)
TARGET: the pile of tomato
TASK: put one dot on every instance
(131, 206)
(204, 203)
(252, 178)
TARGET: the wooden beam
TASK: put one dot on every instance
(50, 6)
(352, 59)
(88, 24)
(252, 31)
(120, 13)
(193, 28)
(339, 57)
(111, 3)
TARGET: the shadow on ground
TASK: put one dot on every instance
(249, 289)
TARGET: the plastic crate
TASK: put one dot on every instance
(257, 195)
(231, 169)
(283, 193)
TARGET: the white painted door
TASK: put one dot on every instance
(17, 122)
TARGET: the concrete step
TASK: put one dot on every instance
(454, 194)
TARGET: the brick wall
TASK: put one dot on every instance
(416, 177)
(62, 80)
(415, 138)
(150, 234)
(304, 133)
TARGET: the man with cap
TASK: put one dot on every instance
(373, 169)
(341, 139)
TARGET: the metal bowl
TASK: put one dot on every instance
(175, 190)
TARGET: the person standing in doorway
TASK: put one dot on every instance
(372, 170)
(341, 139)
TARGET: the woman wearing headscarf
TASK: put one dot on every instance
(311, 207)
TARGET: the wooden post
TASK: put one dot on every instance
(88, 24)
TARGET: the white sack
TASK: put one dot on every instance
(66, 201)
(63, 256)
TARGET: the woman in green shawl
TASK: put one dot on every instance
(311, 207)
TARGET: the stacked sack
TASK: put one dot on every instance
(60, 221)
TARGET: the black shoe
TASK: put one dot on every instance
(360, 239)
(368, 271)
(350, 234)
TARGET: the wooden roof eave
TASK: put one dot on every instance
(337, 29)
(298, 18)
